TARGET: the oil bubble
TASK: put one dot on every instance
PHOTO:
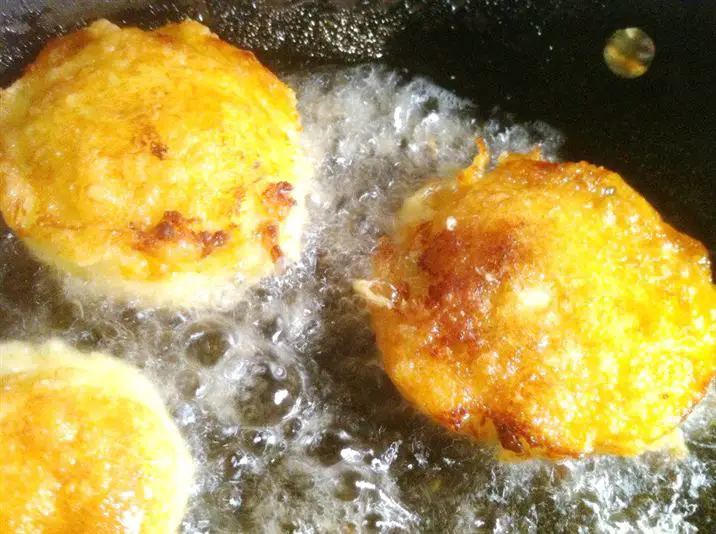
(372, 522)
(259, 442)
(629, 52)
(187, 383)
(292, 428)
(326, 447)
(267, 391)
(347, 487)
(207, 342)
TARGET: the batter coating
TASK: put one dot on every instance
(545, 306)
(86, 445)
(157, 165)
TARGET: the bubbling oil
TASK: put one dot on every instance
(293, 424)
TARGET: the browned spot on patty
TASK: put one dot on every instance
(172, 227)
(175, 228)
(277, 198)
(210, 241)
(148, 138)
(270, 239)
(465, 269)
(166, 39)
(513, 435)
(455, 418)
(403, 289)
(509, 439)
(384, 250)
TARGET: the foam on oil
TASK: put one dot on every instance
(293, 424)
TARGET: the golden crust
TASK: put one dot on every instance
(547, 307)
(149, 162)
(87, 446)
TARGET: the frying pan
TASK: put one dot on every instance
(531, 60)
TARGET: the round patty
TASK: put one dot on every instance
(546, 306)
(157, 165)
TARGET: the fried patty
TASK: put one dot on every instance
(547, 307)
(157, 165)
(86, 445)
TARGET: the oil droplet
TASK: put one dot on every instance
(629, 52)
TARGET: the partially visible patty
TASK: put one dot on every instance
(86, 445)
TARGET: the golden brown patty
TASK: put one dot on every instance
(155, 164)
(546, 306)
(85, 446)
